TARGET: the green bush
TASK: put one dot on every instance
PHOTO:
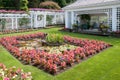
(54, 38)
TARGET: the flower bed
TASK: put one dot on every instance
(53, 63)
(15, 31)
(13, 73)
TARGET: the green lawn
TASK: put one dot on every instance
(103, 66)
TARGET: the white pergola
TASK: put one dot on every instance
(13, 19)
(36, 12)
(111, 8)
(33, 16)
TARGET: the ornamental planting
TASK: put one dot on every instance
(52, 59)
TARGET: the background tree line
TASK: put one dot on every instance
(25, 4)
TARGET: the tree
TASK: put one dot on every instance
(49, 5)
(14, 4)
(61, 3)
(8, 4)
(70, 1)
(1, 3)
(33, 3)
(23, 5)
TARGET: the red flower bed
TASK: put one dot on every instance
(16, 31)
(13, 73)
(53, 63)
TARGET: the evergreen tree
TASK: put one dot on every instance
(61, 3)
(33, 3)
(24, 5)
(7, 4)
(1, 3)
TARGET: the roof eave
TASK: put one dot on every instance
(93, 5)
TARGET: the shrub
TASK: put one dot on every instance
(54, 38)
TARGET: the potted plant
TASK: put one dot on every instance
(104, 28)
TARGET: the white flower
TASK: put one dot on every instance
(14, 76)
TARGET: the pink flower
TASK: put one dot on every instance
(6, 78)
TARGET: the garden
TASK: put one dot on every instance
(58, 56)
(52, 53)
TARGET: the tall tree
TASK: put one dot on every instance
(24, 5)
(1, 3)
(33, 3)
(8, 4)
(61, 3)
(70, 1)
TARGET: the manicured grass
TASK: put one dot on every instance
(103, 66)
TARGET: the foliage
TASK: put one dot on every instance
(49, 19)
(23, 5)
(54, 38)
(61, 3)
(13, 73)
(1, 3)
(104, 26)
(23, 21)
(70, 1)
(52, 62)
(33, 3)
(49, 5)
(109, 58)
(18, 4)
(85, 17)
(3, 23)
(75, 26)
(15, 4)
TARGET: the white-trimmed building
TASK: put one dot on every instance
(98, 10)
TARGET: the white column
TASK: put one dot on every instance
(31, 21)
(66, 20)
(45, 20)
(107, 13)
(35, 20)
(55, 16)
(16, 23)
(12, 23)
(114, 19)
(72, 18)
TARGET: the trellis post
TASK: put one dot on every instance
(114, 19)
(16, 23)
(31, 21)
(55, 19)
(12, 23)
(45, 19)
(66, 20)
(72, 18)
